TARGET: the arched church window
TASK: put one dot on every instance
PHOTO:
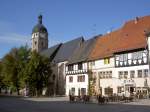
(35, 43)
(36, 34)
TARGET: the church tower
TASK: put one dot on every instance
(39, 36)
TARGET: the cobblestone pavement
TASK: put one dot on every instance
(60, 104)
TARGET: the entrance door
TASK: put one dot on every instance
(129, 90)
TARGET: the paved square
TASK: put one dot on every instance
(15, 104)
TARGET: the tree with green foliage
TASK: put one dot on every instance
(37, 74)
(23, 58)
(22, 68)
(1, 77)
(13, 63)
(10, 71)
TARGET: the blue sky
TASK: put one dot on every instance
(64, 19)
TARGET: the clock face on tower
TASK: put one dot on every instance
(42, 35)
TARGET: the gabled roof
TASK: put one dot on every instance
(129, 37)
(81, 54)
(67, 49)
(50, 51)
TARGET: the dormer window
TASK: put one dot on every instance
(106, 61)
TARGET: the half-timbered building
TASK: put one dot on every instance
(121, 60)
(77, 69)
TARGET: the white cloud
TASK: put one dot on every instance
(14, 39)
(9, 35)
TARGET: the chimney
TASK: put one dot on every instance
(136, 20)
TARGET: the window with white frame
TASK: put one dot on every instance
(139, 73)
(110, 74)
(137, 55)
(100, 74)
(70, 78)
(119, 89)
(105, 74)
(123, 57)
(81, 78)
(132, 74)
(125, 74)
(145, 72)
(108, 91)
(120, 74)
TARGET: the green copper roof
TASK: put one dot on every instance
(39, 27)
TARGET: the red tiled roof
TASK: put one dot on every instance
(129, 37)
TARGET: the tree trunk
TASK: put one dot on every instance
(18, 91)
(36, 93)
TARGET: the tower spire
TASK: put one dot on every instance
(39, 36)
(40, 19)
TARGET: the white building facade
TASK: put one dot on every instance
(123, 74)
(77, 79)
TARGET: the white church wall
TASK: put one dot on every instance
(61, 77)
